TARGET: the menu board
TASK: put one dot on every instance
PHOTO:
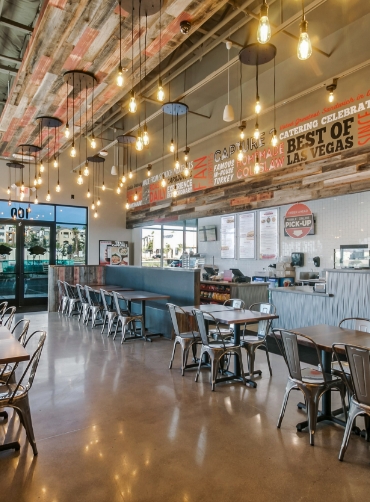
(247, 235)
(228, 236)
(269, 234)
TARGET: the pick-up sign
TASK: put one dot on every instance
(298, 221)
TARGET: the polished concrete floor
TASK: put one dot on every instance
(113, 423)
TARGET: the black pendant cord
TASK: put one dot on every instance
(162, 139)
(79, 138)
(94, 165)
(29, 181)
(35, 159)
(160, 39)
(67, 103)
(241, 91)
(118, 162)
(73, 109)
(86, 121)
(172, 127)
(177, 136)
(139, 55)
(257, 95)
(146, 31)
(98, 187)
(302, 9)
(23, 164)
(186, 132)
(92, 108)
(120, 35)
(124, 160)
(274, 97)
(131, 160)
(48, 162)
(132, 45)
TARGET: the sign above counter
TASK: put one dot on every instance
(298, 221)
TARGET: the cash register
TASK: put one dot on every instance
(210, 272)
(238, 276)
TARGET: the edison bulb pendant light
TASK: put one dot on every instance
(80, 179)
(88, 193)
(132, 107)
(256, 133)
(130, 174)
(264, 29)
(240, 153)
(55, 163)
(29, 208)
(257, 165)
(93, 142)
(139, 145)
(145, 136)
(136, 196)
(10, 202)
(86, 169)
(242, 134)
(186, 170)
(177, 164)
(149, 169)
(127, 205)
(119, 79)
(172, 146)
(66, 131)
(304, 49)
(93, 206)
(98, 202)
(257, 107)
(42, 168)
(73, 152)
(121, 184)
(48, 197)
(274, 139)
(96, 214)
(35, 181)
(103, 186)
(123, 180)
(160, 91)
(163, 182)
(118, 189)
(175, 193)
(39, 180)
(57, 188)
(8, 191)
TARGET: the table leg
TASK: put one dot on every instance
(236, 343)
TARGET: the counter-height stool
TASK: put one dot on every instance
(15, 395)
(63, 298)
(95, 307)
(84, 304)
(312, 382)
(215, 350)
(109, 312)
(358, 359)
(186, 339)
(251, 341)
(126, 320)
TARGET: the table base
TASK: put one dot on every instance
(10, 446)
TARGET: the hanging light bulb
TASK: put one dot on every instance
(57, 188)
(35, 181)
(66, 131)
(304, 49)
(10, 202)
(73, 152)
(186, 154)
(55, 163)
(42, 168)
(36, 200)
(127, 205)
(242, 134)
(93, 206)
(29, 208)
(257, 107)
(256, 133)
(257, 165)
(145, 136)
(240, 153)
(331, 88)
(139, 145)
(123, 179)
(228, 115)
(93, 142)
(177, 163)
(80, 179)
(160, 91)
(88, 193)
(86, 169)
(149, 169)
(22, 196)
(96, 214)
(39, 179)
(163, 182)
(175, 193)
(172, 146)
(136, 196)
(103, 187)
(118, 189)
(132, 107)
(8, 191)
(186, 170)
(120, 77)
(48, 197)
(22, 187)
(121, 184)
(98, 202)
(130, 174)
(274, 139)
(264, 29)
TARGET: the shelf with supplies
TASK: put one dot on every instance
(220, 291)
(213, 292)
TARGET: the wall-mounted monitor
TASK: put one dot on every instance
(207, 233)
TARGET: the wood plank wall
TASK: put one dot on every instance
(334, 175)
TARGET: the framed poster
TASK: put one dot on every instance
(113, 253)
(269, 234)
(247, 235)
(228, 236)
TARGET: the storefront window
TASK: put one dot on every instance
(70, 244)
(151, 246)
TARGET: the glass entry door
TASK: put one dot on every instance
(28, 250)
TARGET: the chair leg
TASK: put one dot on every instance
(367, 427)
(251, 359)
(312, 410)
(173, 353)
(268, 357)
(199, 365)
(241, 365)
(214, 370)
(105, 315)
(116, 331)
(343, 392)
(24, 413)
(353, 412)
(289, 386)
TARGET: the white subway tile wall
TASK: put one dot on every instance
(338, 220)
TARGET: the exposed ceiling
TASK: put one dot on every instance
(84, 35)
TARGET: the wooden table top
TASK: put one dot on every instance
(242, 316)
(324, 336)
(207, 308)
(143, 295)
(5, 334)
(11, 351)
(107, 287)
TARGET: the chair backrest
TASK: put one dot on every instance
(20, 330)
(92, 296)
(10, 312)
(81, 293)
(174, 311)
(287, 342)
(199, 316)
(3, 306)
(263, 326)
(359, 364)
(30, 370)
(358, 323)
(61, 288)
(235, 303)
(103, 295)
(117, 298)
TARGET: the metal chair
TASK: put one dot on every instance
(20, 335)
(186, 339)
(109, 312)
(359, 324)
(227, 331)
(63, 298)
(10, 312)
(253, 340)
(215, 350)
(73, 302)
(312, 382)
(3, 306)
(95, 307)
(126, 319)
(15, 395)
(84, 304)
(359, 364)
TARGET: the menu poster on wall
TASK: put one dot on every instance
(228, 236)
(247, 235)
(269, 234)
(113, 253)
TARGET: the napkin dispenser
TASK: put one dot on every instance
(320, 287)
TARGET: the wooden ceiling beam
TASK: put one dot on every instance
(13, 24)
(8, 70)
